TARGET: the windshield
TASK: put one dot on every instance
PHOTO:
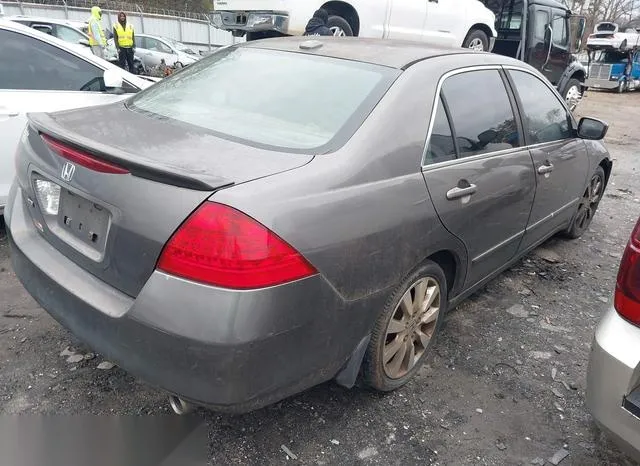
(289, 101)
(180, 46)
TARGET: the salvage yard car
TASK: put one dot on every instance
(465, 23)
(266, 232)
(43, 73)
(613, 377)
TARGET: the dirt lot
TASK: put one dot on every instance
(486, 397)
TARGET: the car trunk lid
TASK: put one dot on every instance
(115, 225)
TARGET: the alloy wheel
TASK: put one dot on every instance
(338, 31)
(476, 44)
(589, 202)
(411, 327)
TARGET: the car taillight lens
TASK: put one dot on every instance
(219, 245)
(627, 297)
(81, 158)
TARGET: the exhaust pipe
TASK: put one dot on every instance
(179, 406)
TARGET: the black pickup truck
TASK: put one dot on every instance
(546, 35)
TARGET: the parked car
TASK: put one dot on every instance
(266, 232)
(152, 49)
(465, 23)
(41, 73)
(607, 35)
(75, 33)
(613, 377)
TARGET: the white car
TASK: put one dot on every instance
(607, 35)
(152, 49)
(466, 23)
(41, 73)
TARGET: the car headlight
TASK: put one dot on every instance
(256, 19)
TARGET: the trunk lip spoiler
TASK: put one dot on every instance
(44, 124)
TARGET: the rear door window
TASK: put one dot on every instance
(441, 146)
(297, 102)
(36, 65)
(481, 112)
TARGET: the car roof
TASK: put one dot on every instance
(385, 52)
(65, 22)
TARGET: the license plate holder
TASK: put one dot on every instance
(84, 220)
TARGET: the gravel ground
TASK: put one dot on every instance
(487, 396)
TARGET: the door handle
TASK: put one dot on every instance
(544, 169)
(457, 193)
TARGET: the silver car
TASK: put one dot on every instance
(293, 211)
(613, 379)
(153, 49)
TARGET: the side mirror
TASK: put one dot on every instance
(84, 42)
(591, 128)
(112, 79)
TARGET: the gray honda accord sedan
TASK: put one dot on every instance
(292, 211)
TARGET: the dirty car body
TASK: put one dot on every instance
(346, 165)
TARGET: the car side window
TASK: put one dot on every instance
(540, 25)
(545, 118)
(482, 121)
(139, 42)
(560, 31)
(36, 65)
(441, 146)
(68, 34)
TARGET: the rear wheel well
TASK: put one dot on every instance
(346, 11)
(447, 262)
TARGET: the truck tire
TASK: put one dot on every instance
(339, 26)
(476, 40)
(572, 92)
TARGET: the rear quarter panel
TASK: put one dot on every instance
(361, 215)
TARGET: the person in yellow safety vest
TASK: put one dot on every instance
(97, 40)
(124, 38)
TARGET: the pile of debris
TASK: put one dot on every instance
(163, 70)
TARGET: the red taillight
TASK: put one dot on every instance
(221, 246)
(627, 297)
(81, 158)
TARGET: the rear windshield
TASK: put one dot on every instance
(281, 100)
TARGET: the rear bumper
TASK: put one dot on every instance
(231, 351)
(613, 377)
(251, 21)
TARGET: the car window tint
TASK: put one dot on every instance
(441, 147)
(139, 42)
(482, 121)
(69, 34)
(36, 65)
(545, 118)
(560, 32)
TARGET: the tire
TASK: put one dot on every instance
(476, 39)
(588, 205)
(338, 23)
(622, 87)
(398, 369)
(178, 65)
(567, 93)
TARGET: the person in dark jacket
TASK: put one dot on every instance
(318, 25)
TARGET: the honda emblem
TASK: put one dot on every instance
(68, 171)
